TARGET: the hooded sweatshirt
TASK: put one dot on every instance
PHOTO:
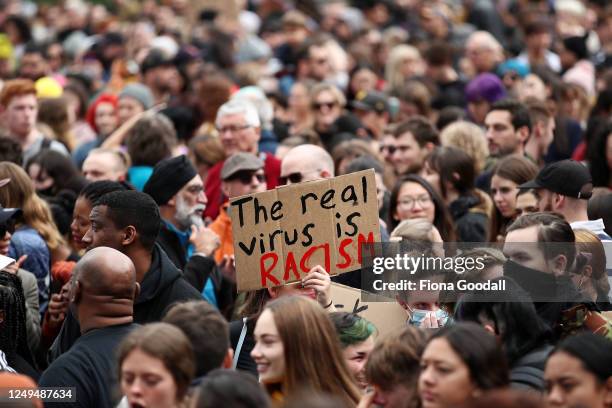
(162, 286)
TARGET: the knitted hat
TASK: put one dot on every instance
(168, 177)
(486, 87)
(140, 92)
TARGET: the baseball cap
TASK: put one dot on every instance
(371, 101)
(240, 162)
(8, 213)
(566, 177)
(156, 58)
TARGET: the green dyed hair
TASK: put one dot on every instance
(351, 328)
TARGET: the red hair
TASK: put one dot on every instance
(16, 87)
(90, 116)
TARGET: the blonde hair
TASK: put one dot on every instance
(468, 137)
(393, 72)
(414, 229)
(322, 87)
(313, 357)
(20, 193)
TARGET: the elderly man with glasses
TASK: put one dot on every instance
(239, 132)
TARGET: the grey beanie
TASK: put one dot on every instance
(140, 92)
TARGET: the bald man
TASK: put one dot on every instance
(102, 298)
(483, 52)
(306, 163)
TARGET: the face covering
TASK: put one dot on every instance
(418, 315)
(541, 286)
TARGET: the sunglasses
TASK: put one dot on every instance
(319, 105)
(7, 226)
(294, 178)
(389, 148)
(246, 177)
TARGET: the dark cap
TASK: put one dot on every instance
(371, 101)
(168, 177)
(240, 162)
(565, 177)
(8, 213)
(154, 59)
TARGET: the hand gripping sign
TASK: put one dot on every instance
(280, 234)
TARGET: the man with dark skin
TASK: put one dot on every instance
(102, 297)
(129, 222)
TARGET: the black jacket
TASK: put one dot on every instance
(161, 287)
(528, 372)
(198, 269)
(471, 220)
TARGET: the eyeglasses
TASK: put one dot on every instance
(246, 177)
(7, 226)
(409, 202)
(232, 129)
(319, 105)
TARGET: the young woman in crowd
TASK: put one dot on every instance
(53, 172)
(452, 172)
(393, 369)
(156, 366)
(84, 203)
(413, 197)
(508, 174)
(13, 333)
(526, 341)
(36, 235)
(297, 346)
(459, 363)
(357, 340)
(579, 373)
(589, 273)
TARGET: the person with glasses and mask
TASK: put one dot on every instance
(242, 174)
(239, 130)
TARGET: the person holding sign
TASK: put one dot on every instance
(296, 348)
(315, 285)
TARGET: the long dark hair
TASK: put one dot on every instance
(479, 351)
(61, 169)
(518, 336)
(442, 219)
(596, 155)
(13, 335)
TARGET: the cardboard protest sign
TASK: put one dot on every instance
(229, 9)
(385, 314)
(279, 235)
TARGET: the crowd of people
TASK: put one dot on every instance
(126, 126)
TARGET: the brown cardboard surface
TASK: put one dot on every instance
(229, 9)
(299, 226)
(386, 315)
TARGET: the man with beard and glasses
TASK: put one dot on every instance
(178, 190)
(242, 174)
(541, 251)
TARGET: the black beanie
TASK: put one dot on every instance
(577, 46)
(168, 177)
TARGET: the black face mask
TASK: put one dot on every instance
(541, 286)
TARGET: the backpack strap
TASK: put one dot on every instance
(243, 333)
